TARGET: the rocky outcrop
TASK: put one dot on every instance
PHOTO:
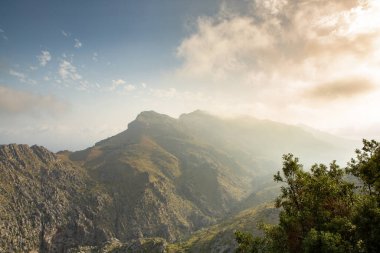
(46, 204)
(142, 245)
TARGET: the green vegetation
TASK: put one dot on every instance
(322, 211)
(220, 237)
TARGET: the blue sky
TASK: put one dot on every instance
(118, 38)
(75, 72)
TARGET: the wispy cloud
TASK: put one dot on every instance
(66, 34)
(341, 89)
(15, 102)
(121, 85)
(77, 43)
(67, 71)
(21, 77)
(95, 56)
(44, 57)
(2, 34)
(129, 87)
(116, 83)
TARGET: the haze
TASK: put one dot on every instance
(75, 72)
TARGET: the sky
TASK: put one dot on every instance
(75, 72)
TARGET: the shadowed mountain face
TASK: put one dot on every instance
(162, 177)
(260, 144)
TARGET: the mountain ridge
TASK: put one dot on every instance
(161, 177)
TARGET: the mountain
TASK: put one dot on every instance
(261, 143)
(165, 181)
(161, 177)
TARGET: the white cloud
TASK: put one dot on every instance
(121, 85)
(143, 85)
(17, 74)
(68, 71)
(21, 77)
(116, 83)
(221, 48)
(2, 33)
(281, 38)
(272, 52)
(77, 44)
(44, 57)
(15, 102)
(129, 87)
(66, 34)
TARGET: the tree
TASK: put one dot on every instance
(316, 207)
(322, 211)
(366, 167)
(316, 211)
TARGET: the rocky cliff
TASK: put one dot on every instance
(47, 204)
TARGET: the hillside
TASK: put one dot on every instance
(216, 238)
(165, 182)
(220, 237)
(47, 204)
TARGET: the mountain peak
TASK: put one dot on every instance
(196, 113)
(147, 116)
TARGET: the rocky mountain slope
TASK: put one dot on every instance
(162, 177)
(47, 204)
(164, 181)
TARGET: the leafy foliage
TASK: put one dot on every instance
(322, 211)
(366, 167)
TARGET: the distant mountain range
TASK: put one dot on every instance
(162, 177)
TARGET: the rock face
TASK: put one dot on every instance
(46, 204)
(142, 245)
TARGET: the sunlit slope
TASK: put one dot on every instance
(165, 182)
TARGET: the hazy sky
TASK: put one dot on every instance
(75, 72)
